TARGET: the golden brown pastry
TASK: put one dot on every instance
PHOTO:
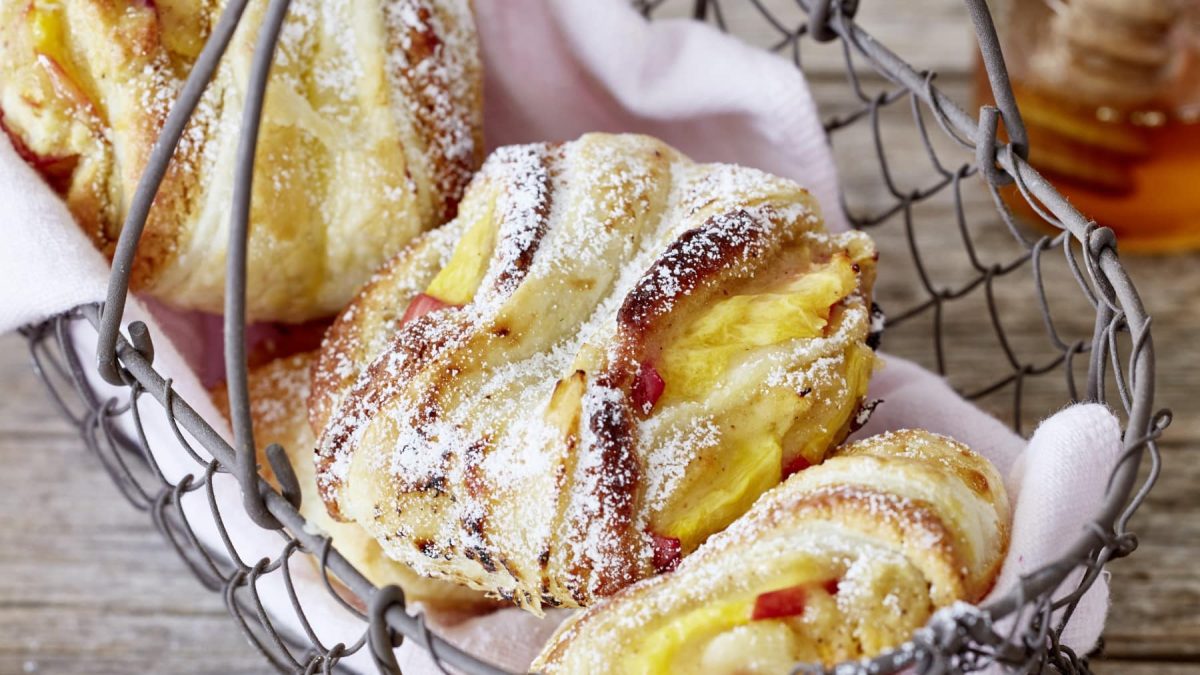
(278, 391)
(371, 130)
(621, 350)
(841, 561)
(365, 329)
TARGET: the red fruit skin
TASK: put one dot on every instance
(780, 604)
(420, 306)
(798, 464)
(667, 551)
(831, 586)
(64, 85)
(648, 388)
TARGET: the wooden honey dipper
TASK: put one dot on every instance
(1109, 52)
(1097, 56)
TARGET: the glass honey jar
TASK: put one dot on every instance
(1109, 91)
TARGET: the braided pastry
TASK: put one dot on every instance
(370, 132)
(620, 352)
(278, 390)
(365, 329)
(839, 562)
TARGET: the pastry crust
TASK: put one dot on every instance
(505, 439)
(365, 328)
(278, 391)
(371, 130)
(840, 562)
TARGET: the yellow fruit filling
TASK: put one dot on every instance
(48, 33)
(46, 28)
(740, 324)
(814, 439)
(458, 281)
(658, 651)
(680, 641)
(704, 507)
(565, 405)
(777, 424)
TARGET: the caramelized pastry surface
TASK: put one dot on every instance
(840, 562)
(605, 358)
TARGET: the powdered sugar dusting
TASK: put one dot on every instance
(437, 66)
(523, 209)
(594, 238)
(669, 452)
(887, 557)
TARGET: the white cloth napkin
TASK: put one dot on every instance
(556, 69)
(47, 265)
(1055, 482)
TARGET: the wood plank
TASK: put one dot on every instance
(1156, 591)
(86, 582)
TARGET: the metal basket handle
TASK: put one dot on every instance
(147, 188)
(997, 72)
(235, 279)
(236, 376)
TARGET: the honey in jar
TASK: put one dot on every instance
(1109, 91)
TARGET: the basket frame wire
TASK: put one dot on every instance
(953, 641)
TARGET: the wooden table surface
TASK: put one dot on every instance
(87, 586)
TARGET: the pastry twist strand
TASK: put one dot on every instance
(605, 358)
(841, 561)
(278, 392)
(371, 130)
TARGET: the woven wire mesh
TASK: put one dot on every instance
(112, 428)
(1098, 350)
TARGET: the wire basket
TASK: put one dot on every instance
(1100, 351)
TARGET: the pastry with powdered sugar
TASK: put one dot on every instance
(840, 562)
(371, 129)
(605, 358)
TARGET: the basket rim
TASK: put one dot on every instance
(1120, 295)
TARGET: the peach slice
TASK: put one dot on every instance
(422, 305)
(780, 604)
(49, 35)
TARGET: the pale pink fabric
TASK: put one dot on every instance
(1056, 482)
(556, 69)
